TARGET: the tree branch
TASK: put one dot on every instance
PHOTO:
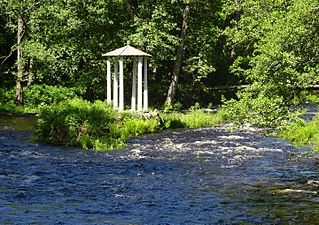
(8, 56)
(34, 5)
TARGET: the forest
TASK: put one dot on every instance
(257, 59)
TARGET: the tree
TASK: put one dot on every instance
(179, 56)
(76, 36)
(276, 48)
(7, 43)
(180, 34)
(17, 11)
(62, 41)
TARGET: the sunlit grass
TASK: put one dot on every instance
(97, 126)
(193, 119)
(302, 133)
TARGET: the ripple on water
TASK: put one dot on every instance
(200, 176)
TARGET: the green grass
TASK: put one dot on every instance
(302, 133)
(193, 119)
(96, 126)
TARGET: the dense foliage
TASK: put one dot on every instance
(78, 123)
(62, 41)
(51, 51)
(275, 45)
(36, 97)
(97, 126)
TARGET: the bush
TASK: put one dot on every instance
(199, 118)
(35, 97)
(173, 121)
(7, 100)
(311, 97)
(257, 110)
(89, 125)
(75, 123)
(45, 95)
(177, 106)
(96, 126)
(137, 127)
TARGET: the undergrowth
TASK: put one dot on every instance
(35, 97)
(97, 126)
(258, 111)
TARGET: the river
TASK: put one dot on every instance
(199, 176)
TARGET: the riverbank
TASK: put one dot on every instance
(304, 132)
(97, 126)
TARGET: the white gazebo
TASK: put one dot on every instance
(139, 89)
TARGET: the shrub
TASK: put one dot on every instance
(177, 106)
(45, 94)
(76, 123)
(96, 126)
(199, 118)
(89, 125)
(173, 121)
(311, 97)
(195, 107)
(35, 97)
(7, 100)
(7, 95)
(257, 110)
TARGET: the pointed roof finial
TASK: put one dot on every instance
(126, 51)
(128, 42)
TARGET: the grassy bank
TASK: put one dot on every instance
(65, 119)
(302, 133)
(97, 126)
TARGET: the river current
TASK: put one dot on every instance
(200, 176)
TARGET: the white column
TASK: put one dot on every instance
(133, 99)
(145, 103)
(121, 100)
(115, 86)
(108, 82)
(139, 83)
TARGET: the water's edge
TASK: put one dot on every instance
(199, 176)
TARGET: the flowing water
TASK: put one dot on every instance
(201, 176)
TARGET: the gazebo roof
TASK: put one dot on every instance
(126, 51)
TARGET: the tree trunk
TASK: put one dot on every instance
(131, 6)
(30, 74)
(177, 65)
(19, 87)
